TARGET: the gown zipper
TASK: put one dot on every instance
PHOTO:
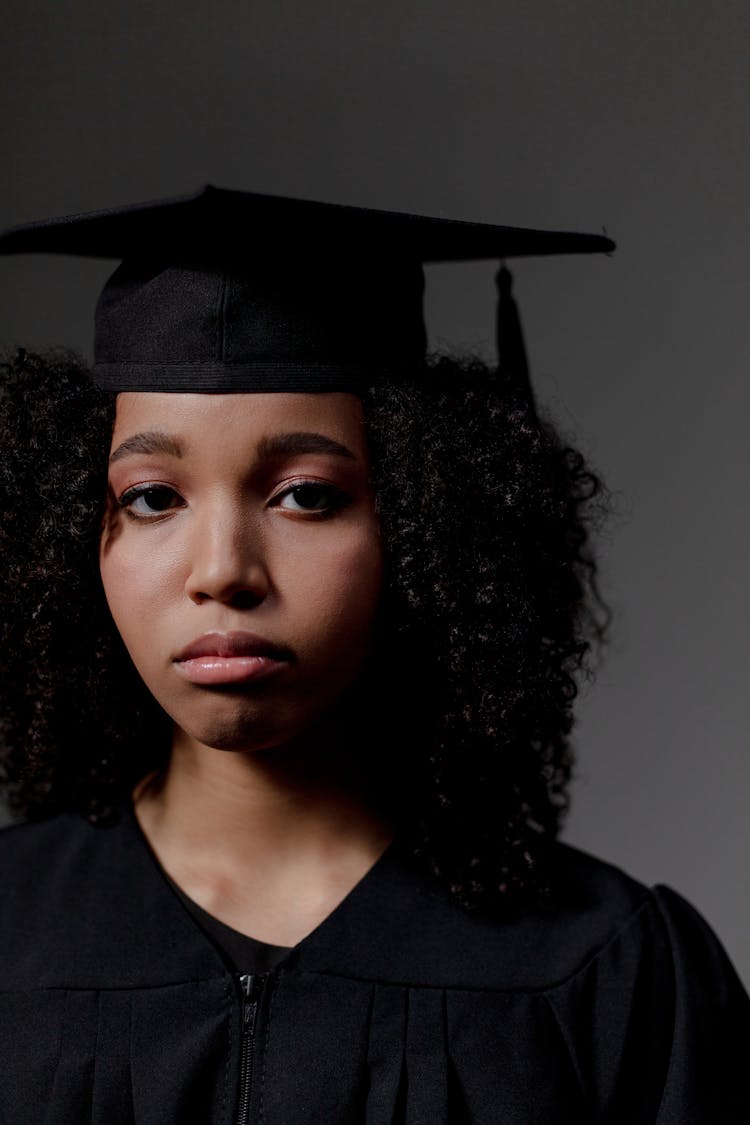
(251, 986)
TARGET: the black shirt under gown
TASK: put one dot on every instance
(244, 953)
(117, 1008)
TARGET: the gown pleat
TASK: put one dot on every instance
(112, 1093)
(179, 1053)
(385, 1056)
(426, 1057)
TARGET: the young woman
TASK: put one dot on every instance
(292, 618)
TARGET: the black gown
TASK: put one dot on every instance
(117, 1008)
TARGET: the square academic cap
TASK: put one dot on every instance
(235, 291)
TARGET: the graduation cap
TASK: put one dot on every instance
(226, 291)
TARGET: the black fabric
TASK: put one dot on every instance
(228, 291)
(239, 224)
(620, 1006)
(261, 326)
(244, 953)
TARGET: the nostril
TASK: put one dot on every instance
(240, 599)
(246, 599)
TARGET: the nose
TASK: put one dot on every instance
(227, 558)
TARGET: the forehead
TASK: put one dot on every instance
(246, 417)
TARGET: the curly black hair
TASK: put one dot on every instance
(491, 614)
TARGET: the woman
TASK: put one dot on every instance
(291, 626)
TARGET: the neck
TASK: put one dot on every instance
(270, 841)
(260, 801)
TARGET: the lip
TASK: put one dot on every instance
(228, 645)
(229, 658)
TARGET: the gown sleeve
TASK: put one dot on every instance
(708, 1070)
(657, 1023)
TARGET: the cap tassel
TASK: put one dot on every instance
(511, 351)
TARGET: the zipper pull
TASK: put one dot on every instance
(251, 985)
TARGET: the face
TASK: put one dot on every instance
(241, 557)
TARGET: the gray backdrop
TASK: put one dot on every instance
(556, 113)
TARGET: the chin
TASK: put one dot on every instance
(248, 733)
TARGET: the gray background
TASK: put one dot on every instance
(559, 114)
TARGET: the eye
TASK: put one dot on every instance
(311, 496)
(146, 501)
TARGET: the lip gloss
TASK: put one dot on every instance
(210, 669)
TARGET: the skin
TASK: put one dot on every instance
(262, 815)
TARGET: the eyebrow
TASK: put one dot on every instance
(150, 441)
(280, 445)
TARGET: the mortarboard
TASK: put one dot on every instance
(225, 291)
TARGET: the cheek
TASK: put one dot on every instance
(116, 580)
(339, 587)
(136, 570)
(131, 590)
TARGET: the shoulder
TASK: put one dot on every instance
(30, 834)
(659, 1005)
(34, 853)
(603, 929)
(424, 938)
(52, 872)
(626, 985)
(87, 906)
(34, 849)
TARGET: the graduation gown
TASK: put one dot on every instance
(398, 1009)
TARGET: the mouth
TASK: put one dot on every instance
(230, 658)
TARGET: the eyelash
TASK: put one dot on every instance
(337, 500)
(130, 496)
